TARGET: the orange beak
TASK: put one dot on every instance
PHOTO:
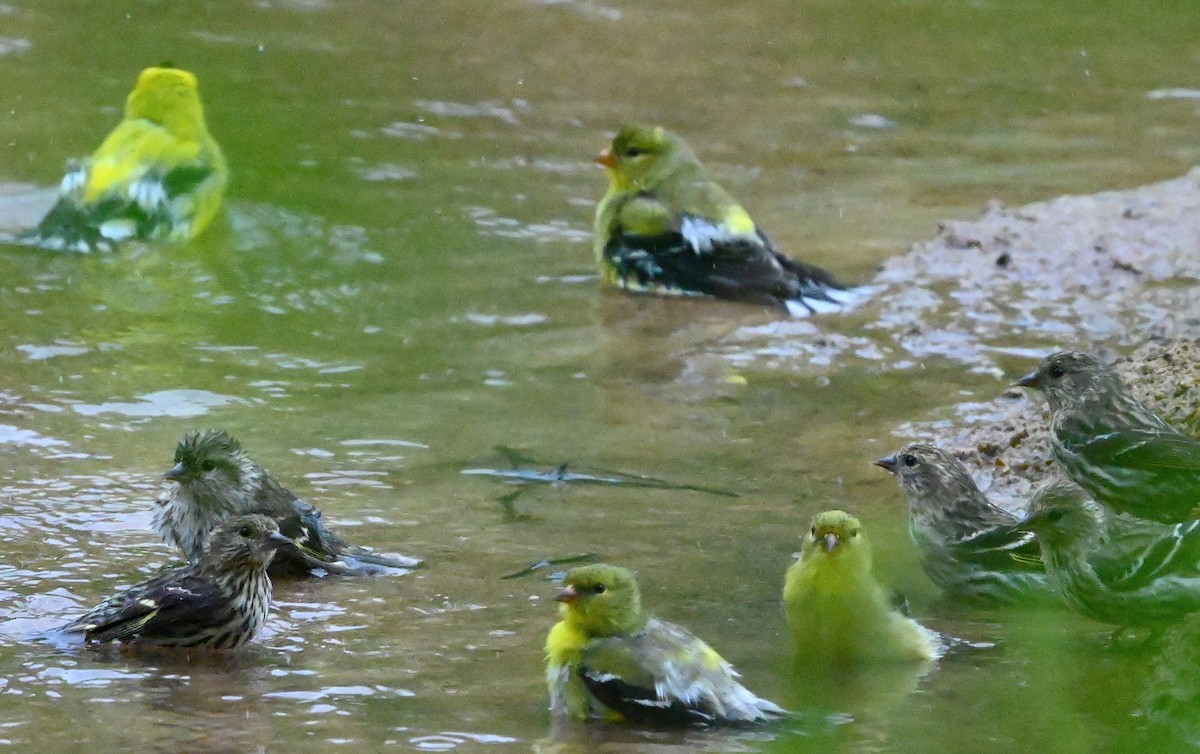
(568, 595)
(607, 158)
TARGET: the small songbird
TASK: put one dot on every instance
(665, 226)
(1131, 572)
(608, 658)
(158, 175)
(837, 612)
(219, 602)
(1114, 446)
(216, 479)
(954, 528)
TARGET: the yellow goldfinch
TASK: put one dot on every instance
(666, 226)
(158, 175)
(836, 610)
(608, 658)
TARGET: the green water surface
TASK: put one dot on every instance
(401, 281)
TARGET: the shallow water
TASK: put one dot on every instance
(402, 281)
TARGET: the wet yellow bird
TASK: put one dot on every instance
(837, 612)
(665, 226)
(608, 658)
(159, 175)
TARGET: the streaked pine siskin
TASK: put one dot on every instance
(215, 479)
(837, 611)
(609, 658)
(158, 175)
(955, 530)
(665, 226)
(219, 602)
(1121, 570)
(1113, 445)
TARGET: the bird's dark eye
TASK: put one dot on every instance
(1057, 373)
(598, 589)
(634, 151)
(1055, 515)
(208, 465)
(909, 460)
(246, 531)
(854, 533)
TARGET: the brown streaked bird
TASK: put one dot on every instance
(219, 602)
(215, 479)
(966, 544)
(1112, 444)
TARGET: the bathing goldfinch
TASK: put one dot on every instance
(665, 226)
(608, 658)
(158, 175)
(837, 612)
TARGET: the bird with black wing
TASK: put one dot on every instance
(609, 658)
(221, 601)
(666, 226)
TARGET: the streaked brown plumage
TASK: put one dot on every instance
(219, 602)
(954, 528)
(215, 478)
(1113, 445)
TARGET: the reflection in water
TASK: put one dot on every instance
(1171, 697)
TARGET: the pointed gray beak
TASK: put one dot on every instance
(888, 463)
(1029, 380)
(277, 539)
(175, 473)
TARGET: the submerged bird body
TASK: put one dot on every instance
(216, 479)
(954, 528)
(665, 226)
(1124, 571)
(1114, 446)
(608, 658)
(158, 175)
(836, 610)
(219, 602)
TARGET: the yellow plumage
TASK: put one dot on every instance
(159, 175)
(609, 659)
(666, 226)
(836, 611)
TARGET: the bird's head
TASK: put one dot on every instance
(641, 156)
(835, 535)
(167, 96)
(601, 600)
(212, 466)
(1067, 377)
(929, 475)
(243, 542)
(1062, 516)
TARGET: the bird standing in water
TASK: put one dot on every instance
(158, 175)
(219, 602)
(1113, 445)
(609, 658)
(837, 612)
(665, 226)
(1128, 572)
(954, 528)
(215, 479)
